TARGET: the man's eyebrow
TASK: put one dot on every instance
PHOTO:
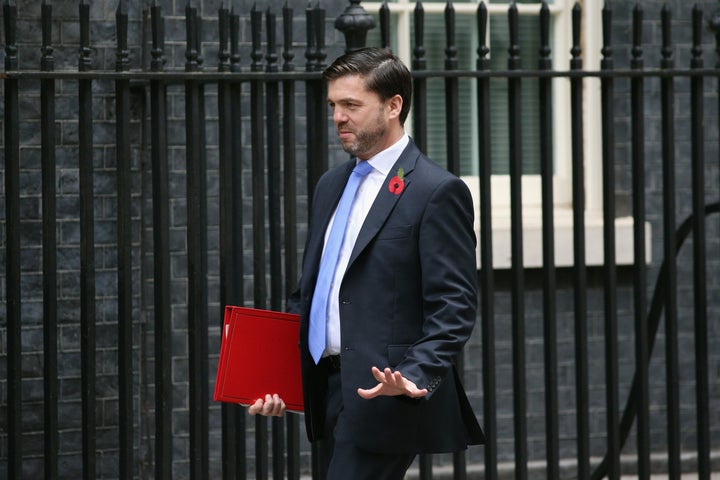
(344, 100)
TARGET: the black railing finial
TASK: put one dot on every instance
(354, 23)
(224, 33)
(288, 53)
(84, 62)
(637, 51)
(482, 25)
(385, 25)
(310, 38)
(714, 26)
(544, 61)
(514, 27)
(576, 50)
(191, 49)
(158, 37)
(697, 52)
(255, 33)
(122, 62)
(419, 61)
(47, 61)
(607, 51)
(271, 46)
(234, 41)
(451, 61)
(666, 25)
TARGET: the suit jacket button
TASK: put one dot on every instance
(346, 302)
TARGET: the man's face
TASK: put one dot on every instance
(361, 117)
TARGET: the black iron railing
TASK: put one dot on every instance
(260, 110)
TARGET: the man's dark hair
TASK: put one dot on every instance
(384, 74)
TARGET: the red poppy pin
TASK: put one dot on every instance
(397, 184)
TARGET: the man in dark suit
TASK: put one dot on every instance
(393, 307)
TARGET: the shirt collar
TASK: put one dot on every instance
(383, 161)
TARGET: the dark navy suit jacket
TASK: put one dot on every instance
(407, 301)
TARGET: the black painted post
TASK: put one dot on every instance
(672, 375)
(87, 251)
(354, 23)
(317, 139)
(257, 114)
(229, 412)
(552, 448)
(419, 63)
(452, 132)
(384, 25)
(697, 128)
(161, 252)
(238, 293)
(579, 255)
(639, 271)
(12, 249)
(487, 276)
(452, 112)
(516, 228)
(124, 236)
(290, 213)
(272, 105)
(607, 87)
(714, 25)
(49, 210)
(419, 116)
(196, 249)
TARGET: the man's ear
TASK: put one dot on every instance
(395, 105)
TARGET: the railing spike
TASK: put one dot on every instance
(354, 23)
(714, 26)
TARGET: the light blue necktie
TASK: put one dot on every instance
(319, 306)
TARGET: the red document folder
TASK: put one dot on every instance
(259, 355)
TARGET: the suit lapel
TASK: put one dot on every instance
(386, 200)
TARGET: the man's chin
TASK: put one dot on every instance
(350, 148)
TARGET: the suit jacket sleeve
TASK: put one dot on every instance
(446, 246)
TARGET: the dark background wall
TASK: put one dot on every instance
(66, 40)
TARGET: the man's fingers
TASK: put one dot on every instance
(371, 392)
(417, 393)
(256, 407)
(271, 406)
(268, 405)
(379, 376)
(392, 384)
(397, 378)
(279, 406)
(274, 406)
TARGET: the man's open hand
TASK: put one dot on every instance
(391, 384)
(272, 406)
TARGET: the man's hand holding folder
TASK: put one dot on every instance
(259, 361)
(271, 406)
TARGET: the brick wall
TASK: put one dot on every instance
(66, 38)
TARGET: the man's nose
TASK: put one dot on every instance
(339, 115)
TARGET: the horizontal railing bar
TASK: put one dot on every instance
(180, 76)
(169, 76)
(618, 73)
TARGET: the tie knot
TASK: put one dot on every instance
(362, 168)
